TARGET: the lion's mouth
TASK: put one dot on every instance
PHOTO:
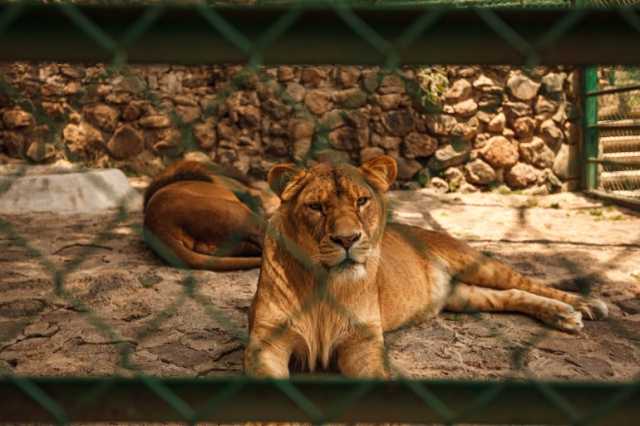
(342, 260)
(347, 263)
(349, 270)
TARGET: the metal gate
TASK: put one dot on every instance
(612, 133)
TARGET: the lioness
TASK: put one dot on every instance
(335, 275)
(194, 217)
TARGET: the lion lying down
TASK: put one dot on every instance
(196, 217)
(335, 276)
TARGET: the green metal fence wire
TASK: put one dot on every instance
(490, 36)
(613, 129)
(393, 35)
(446, 3)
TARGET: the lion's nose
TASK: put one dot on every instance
(346, 241)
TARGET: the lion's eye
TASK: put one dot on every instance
(362, 201)
(315, 207)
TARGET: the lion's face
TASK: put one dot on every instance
(335, 213)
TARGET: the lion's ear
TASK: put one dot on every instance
(285, 180)
(380, 172)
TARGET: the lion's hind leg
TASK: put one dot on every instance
(561, 315)
(487, 272)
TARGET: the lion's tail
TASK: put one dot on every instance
(176, 254)
(190, 170)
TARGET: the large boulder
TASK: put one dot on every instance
(155, 121)
(521, 176)
(565, 165)
(466, 108)
(480, 173)
(301, 149)
(313, 76)
(407, 168)
(440, 124)
(391, 83)
(17, 118)
(390, 101)
(537, 153)
(125, 143)
(350, 98)
(483, 82)
(454, 177)
(515, 110)
(391, 143)
(524, 127)
(102, 116)
(551, 134)
(500, 152)
(398, 123)
(459, 91)
(348, 76)
(497, 124)
(41, 151)
(418, 145)
(249, 116)
(295, 91)
(318, 101)
(545, 106)
(348, 138)
(450, 155)
(82, 139)
(466, 131)
(490, 94)
(64, 193)
(554, 82)
(301, 128)
(133, 111)
(285, 73)
(438, 185)
(522, 87)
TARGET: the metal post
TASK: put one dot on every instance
(241, 399)
(590, 129)
(184, 35)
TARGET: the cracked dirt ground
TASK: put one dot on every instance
(118, 298)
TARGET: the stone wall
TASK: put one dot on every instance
(497, 127)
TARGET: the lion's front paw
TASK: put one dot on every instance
(593, 309)
(564, 317)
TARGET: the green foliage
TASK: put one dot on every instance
(433, 83)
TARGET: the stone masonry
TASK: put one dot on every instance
(492, 127)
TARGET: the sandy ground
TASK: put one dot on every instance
(85, 296)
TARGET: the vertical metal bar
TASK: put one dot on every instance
(590, 129)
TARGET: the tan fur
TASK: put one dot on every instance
(193, 218)
(335, 276)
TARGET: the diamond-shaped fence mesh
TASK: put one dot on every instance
(615, 130)
(390, 52)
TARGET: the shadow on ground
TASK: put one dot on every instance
(117, 307)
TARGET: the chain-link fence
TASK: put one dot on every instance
(398, 39)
